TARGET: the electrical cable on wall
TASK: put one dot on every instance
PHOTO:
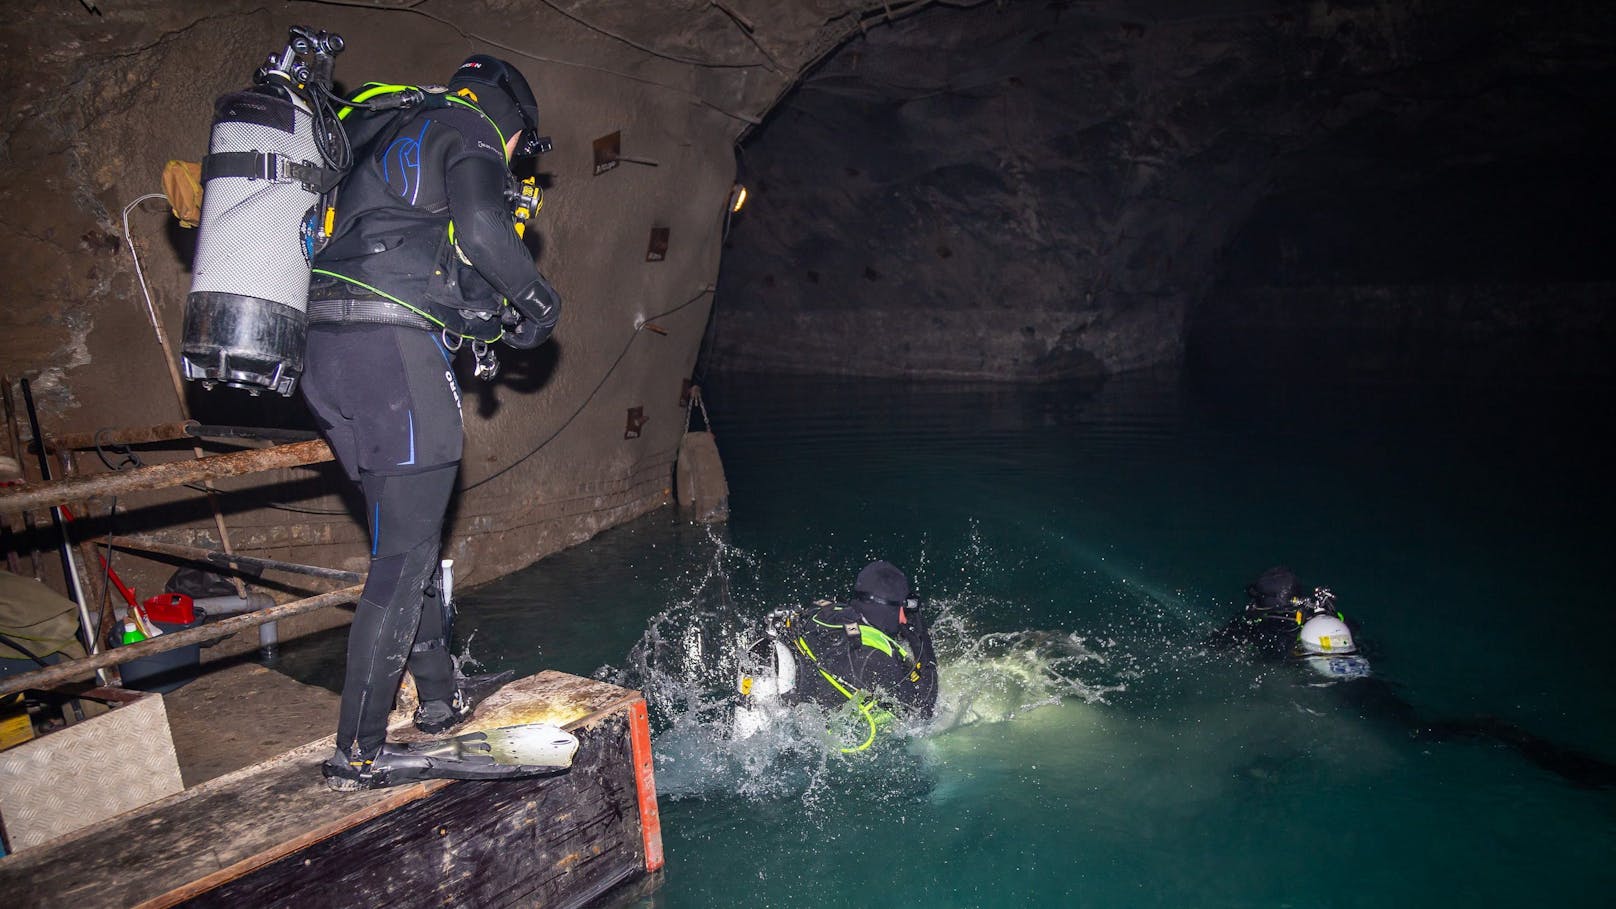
(140, 276)
(638, 327)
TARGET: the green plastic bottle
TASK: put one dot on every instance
(131, 632)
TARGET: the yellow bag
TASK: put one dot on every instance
(182, 183)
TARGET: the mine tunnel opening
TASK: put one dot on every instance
(1040, 191)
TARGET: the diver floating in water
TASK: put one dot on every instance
(1279, 622)
(872, 652)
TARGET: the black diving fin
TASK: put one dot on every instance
(503, 753)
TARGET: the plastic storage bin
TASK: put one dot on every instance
(164, 672)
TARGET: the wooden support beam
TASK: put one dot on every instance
(216, 559)
(162, 476)
(77, 669)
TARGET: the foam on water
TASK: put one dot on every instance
(687, 660)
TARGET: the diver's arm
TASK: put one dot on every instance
(926, 687)
(486, 233)
(1235, 632)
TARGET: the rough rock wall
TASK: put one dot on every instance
(101, 95)
(1038, 190)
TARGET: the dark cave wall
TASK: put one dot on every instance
(1459, 234)
(1040, 190)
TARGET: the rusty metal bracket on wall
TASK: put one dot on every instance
(609, 153)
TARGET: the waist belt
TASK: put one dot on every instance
(379, 312)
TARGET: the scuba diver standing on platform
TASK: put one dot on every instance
(1280, 624)
(872, 652)
(423, 257)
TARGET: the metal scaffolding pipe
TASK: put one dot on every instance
(169, 432)
(77, 669)
(162, 476)
(166, 432)
(221, 560)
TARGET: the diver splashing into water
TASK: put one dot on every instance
(872, 652)
(1281, 623)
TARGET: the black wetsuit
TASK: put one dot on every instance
(387, 290)
(386, 398)
(881, 650)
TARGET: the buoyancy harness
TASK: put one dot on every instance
(863, 664)
(388, 243)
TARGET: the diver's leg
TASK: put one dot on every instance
(397, 397)
(325, 385)
(430, 661)
(447, 697)
(1580, 769)
(407, 516)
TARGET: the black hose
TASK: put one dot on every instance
(11, 642)
(329, 136)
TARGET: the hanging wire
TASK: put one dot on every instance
(473, 37)
(638, 327)
(140, 276)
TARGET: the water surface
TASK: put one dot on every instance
(1074, 545)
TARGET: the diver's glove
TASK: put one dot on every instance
(531, 315)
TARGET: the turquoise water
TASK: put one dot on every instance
(1074, 545)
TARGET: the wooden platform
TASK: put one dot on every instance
(272, 834)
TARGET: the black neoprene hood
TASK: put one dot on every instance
(502, 93)
(882, 582)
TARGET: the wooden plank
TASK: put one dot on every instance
(244, 837)
(558, 841)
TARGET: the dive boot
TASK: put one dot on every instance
(509, 752)
(439, 716)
